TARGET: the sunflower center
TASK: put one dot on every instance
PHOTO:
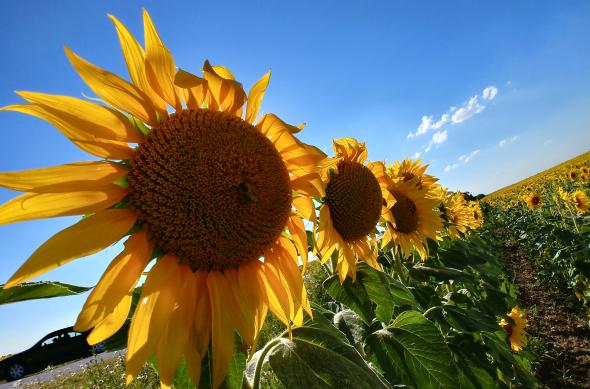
(210, 188)
(535, 200)
(354, 198)
(405, 213)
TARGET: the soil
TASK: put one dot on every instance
(553, 318)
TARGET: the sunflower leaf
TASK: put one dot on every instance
(413, 351)
(38, 290)
(317, 355)
(353, 295)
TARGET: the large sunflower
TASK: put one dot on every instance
(356, 198)
(206, 192)
(516, 328)
(416, 218)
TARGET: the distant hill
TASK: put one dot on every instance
(553, 171)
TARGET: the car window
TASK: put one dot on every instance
(50, 341)
(73, 334)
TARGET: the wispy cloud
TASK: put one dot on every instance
(506, 141)
(455, 115)
(462, 160)
(489, 93)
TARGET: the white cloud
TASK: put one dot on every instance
(462, 160)
(467, 111)
(489, 93)
(455, 115)
(440, 136)
(417, 155)
(505, 141)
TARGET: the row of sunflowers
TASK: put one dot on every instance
(225, 210)
(549, 216)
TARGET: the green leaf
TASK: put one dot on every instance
(352, 326)
(423, 273)
(353, 295)
(384, 291)
(316, 356)
(413, 350)
(38, 290)
(469, 320)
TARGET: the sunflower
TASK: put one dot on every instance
(573, 174)
(515, 328)
(207, 193)
(533, 200)
(408, 170)
(580, 201)
(356, 198)
(457, 214)
(416, 217)
(477, 214)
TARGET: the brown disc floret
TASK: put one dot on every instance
(210, 188)
(354, 198)
(405, 213)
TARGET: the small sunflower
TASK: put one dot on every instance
(356, 198)
(408, 170)
(207, 192)
(533, 200)
(580, 201)
(457, 214)
(416, 218)
(515, 329)
(573, 174)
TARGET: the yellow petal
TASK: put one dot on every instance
(65, 178)
(202, 320)
(299, 236)
(32, 206)
(310, 185)
(255, 97)
(118, 281)
(304, 205)
(151, 315)
(244, 315)
(224, 72)
(222, 325)
(86, 237)
(96, 146)
(228, 94)
(173, 338)
(193, 359)
(89, 119)
(250, 286)
(194, 88)
(114, 90)
(135, 60)
(160, 65)
(111, 323)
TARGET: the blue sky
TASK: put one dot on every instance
(491, 91)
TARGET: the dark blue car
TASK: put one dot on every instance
(53, 349)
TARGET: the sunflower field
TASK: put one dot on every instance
(252, 259)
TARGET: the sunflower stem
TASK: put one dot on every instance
(260, 362)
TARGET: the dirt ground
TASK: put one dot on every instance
(552, 317)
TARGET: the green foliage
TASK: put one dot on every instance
(38, 290)
(425, 325)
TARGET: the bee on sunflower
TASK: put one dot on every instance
(515, 328)
(355, 199)
(208, 191)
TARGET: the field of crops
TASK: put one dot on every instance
(245, 253)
